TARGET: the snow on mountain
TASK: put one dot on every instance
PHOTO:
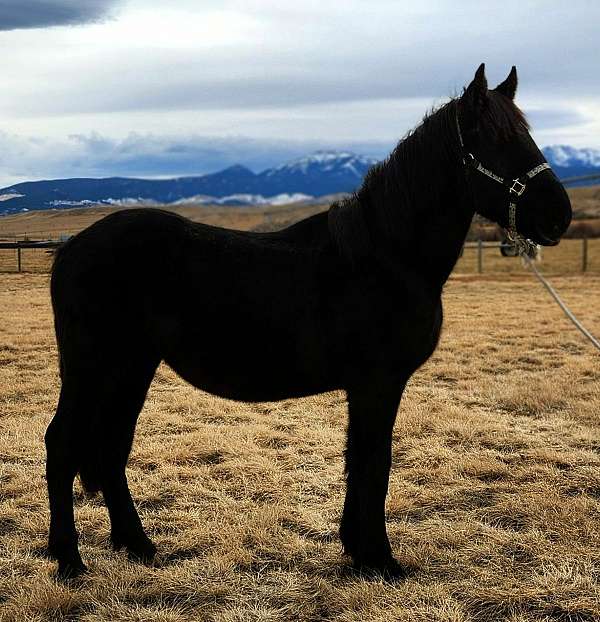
(285, 199)
(326, 161)
(247, 199)
(65, 203)
(129, 201)
(9, 195)
(566, 156)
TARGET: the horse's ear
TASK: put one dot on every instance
(509, 86)
(475, 95)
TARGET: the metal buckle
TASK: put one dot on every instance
(469, 160)
(518, 187)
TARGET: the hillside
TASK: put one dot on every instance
(51, 224)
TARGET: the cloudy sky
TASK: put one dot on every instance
(148, 88)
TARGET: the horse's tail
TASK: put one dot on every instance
(76, 406)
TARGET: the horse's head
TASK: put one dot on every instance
(507, 171)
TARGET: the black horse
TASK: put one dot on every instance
(348, 299)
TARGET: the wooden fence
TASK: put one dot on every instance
(577, 260)
(570, 256)
(44, 250)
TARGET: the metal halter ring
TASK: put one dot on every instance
(518, 187)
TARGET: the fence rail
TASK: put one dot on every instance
(572, 180)
(31, 244)
(571, 256)
(48, 245)
(480, 246)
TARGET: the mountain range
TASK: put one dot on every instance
(304, 179)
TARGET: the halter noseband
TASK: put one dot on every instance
(516, 188)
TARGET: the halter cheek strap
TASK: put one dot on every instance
(516, 187)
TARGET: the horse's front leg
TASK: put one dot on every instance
(372, 408)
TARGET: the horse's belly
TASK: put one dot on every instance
(243, 366)
(254, 383)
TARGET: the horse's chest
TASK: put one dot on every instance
(415, 336)
(388, 330)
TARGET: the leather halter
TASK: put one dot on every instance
(516, 188)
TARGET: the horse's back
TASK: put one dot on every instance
(137, 248)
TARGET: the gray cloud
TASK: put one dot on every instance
(18, 14)
(299, 55)
(551, 118)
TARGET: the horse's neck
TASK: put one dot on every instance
(431, 229)
(441, 235)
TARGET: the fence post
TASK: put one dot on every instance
(584, 254)
(480, 256)
(18, 259)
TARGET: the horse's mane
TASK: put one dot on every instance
(414, 176)
(501, 119)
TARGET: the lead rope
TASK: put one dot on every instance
(580, 327)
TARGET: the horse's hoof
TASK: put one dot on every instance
(144, 554)
(139, 548)
(386, 568)
(68, 571)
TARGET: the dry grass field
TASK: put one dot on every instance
(494, 501)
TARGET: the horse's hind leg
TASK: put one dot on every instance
(120, 419)
(92, 433)
(62, 446)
